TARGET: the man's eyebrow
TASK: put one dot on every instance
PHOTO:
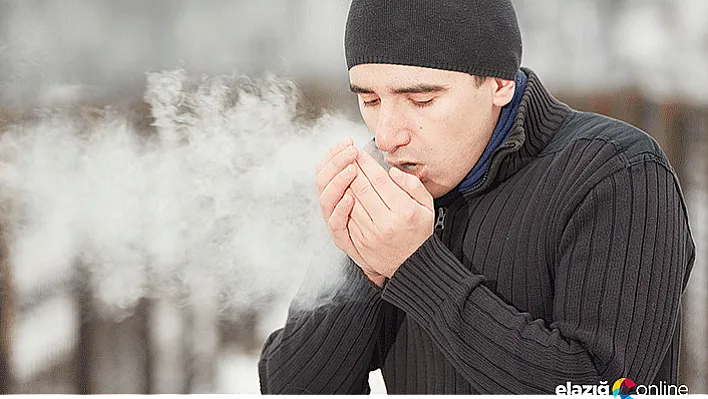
(423, 88)
(357, 89)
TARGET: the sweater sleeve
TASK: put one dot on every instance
(621, 267)
(328, 350)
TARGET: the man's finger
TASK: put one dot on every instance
(337, 222)
(339, 225)
(334, 166)
(365, 193)
(334, 192)
(356, 236)
(413, 187)
(390, 192)
(332, 152)
(362, 217)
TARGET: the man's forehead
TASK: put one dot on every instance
(400, 78)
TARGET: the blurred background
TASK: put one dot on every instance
(641, 61)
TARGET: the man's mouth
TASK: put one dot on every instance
(408, 167)
(416, 169)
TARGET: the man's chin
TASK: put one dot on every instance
(436, 190)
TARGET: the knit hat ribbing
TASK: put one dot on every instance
(479, 37)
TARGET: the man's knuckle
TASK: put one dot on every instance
(380, 179)
(387, 230)
(341, 160)
(344, 178)
(409, 215)
(359, 186)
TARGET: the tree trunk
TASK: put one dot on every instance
(671, 134)
(703, 318)
(200, 341)
(84, 355)
(187, 349)
(7, 310)
(143, 313)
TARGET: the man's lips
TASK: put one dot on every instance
(400, 162)
(403, 164)
(412, 168)
(408, 166)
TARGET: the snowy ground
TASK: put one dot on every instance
(236, 371)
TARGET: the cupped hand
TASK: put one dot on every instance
(392, 215)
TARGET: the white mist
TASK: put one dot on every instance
(219, 208)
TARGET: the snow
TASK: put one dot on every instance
(44, 336)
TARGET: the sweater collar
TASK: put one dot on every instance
(500, 135)
(538, 118)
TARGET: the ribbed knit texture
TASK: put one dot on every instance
(568, 264)
(479, 37)
(308, 347)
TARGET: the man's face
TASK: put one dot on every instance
(431, 123)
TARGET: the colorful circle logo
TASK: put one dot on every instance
(622, 388)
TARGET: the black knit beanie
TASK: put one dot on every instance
(479, 37)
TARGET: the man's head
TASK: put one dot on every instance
(432, 76)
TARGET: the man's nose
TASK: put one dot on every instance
(391, 130)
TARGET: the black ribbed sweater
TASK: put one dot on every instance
(567, 264)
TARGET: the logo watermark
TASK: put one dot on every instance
(623, 388)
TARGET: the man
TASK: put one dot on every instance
(515, 245)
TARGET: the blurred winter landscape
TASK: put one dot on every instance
(157, 171)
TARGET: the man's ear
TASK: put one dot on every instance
(504, 91)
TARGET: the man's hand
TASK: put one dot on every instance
(392, 215)
(335, 173)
